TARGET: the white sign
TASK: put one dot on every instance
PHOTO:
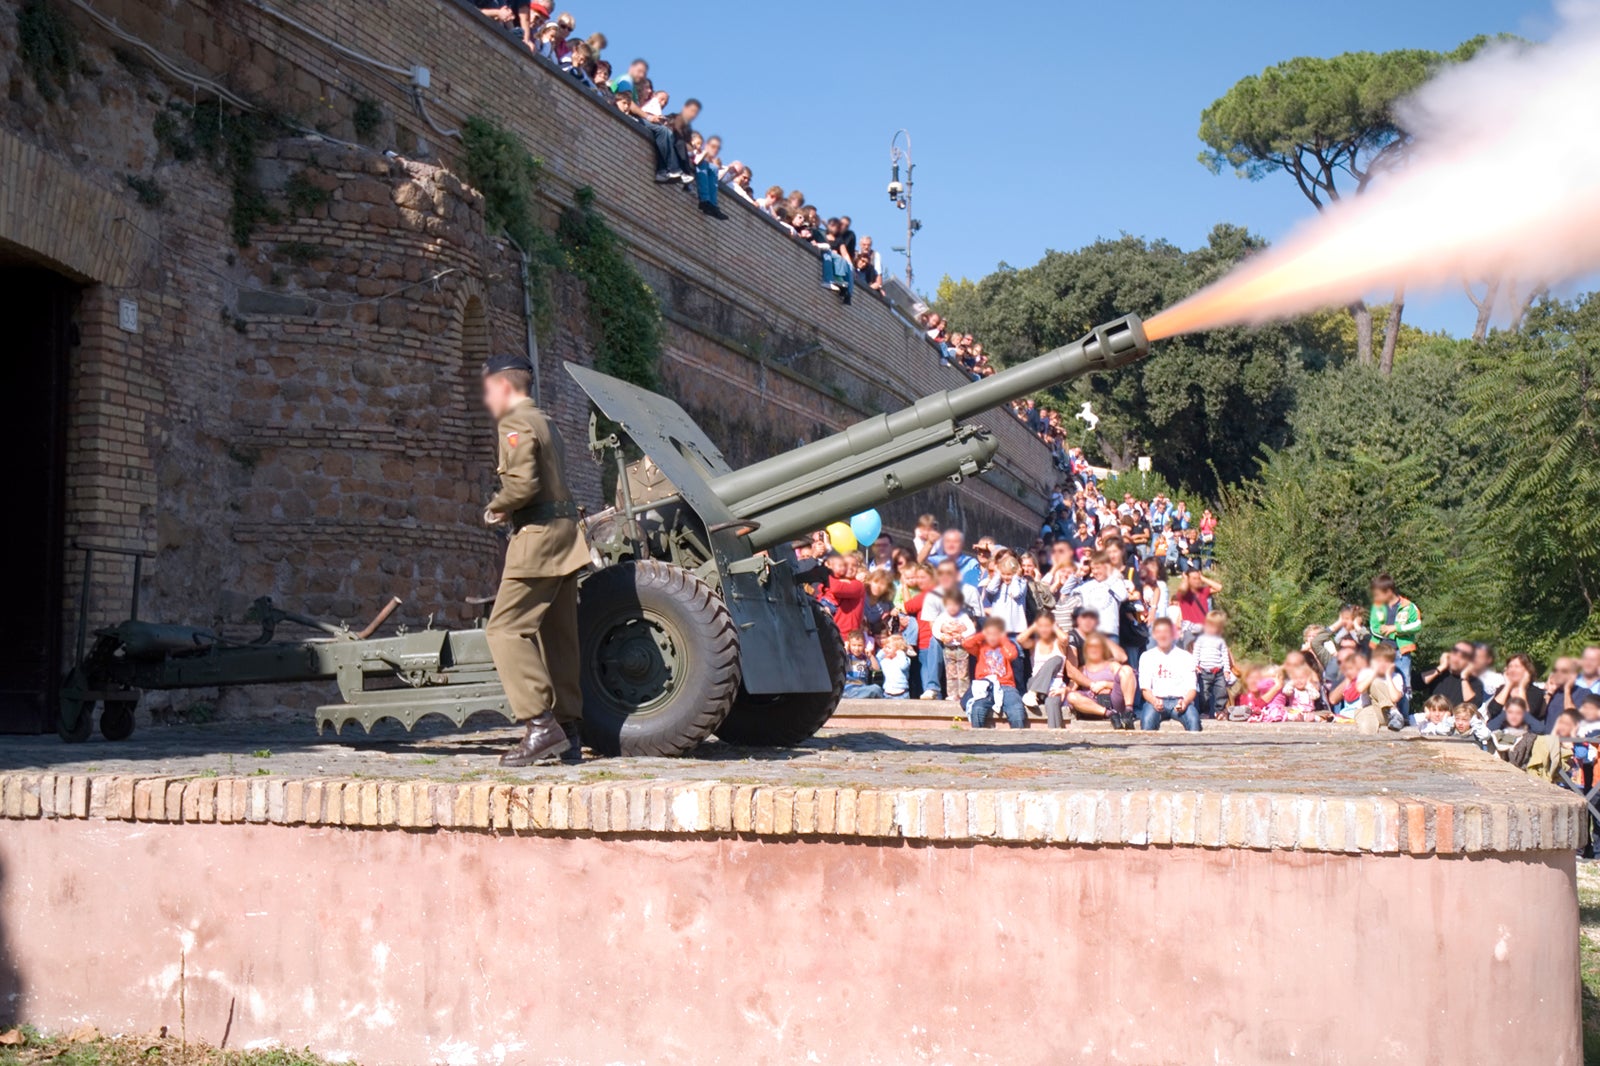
(128, 315)
(1144, 464)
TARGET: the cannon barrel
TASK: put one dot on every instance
(892, 455)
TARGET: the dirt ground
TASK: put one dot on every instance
(26, 1046)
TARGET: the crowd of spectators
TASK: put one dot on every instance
(683, 156)
(1098, 620)
(1057, 629)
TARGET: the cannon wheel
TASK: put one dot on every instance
(660, 659)
(794, 717)
(75, 717)
(117, 720)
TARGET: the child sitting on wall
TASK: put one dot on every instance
(859, 666)
(1437, 719)
(994, 683)
(1263, 694)
(894, 662)
(1302, 691)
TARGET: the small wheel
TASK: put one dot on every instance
(75, 718)
(791, 718)
(659, 659)
(117, 720)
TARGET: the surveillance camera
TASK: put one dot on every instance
(895, 189)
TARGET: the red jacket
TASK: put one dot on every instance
(993, 663)
(913, 609)
(850, 596)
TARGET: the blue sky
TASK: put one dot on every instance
(1036, 125)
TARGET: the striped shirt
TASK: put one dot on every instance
(1210, 652)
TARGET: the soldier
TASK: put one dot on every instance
(533, 630)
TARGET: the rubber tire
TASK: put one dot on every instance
(791, 718)
(117, 720)
(707, 679)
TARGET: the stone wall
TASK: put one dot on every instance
(296, 417)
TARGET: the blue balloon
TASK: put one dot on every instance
(866, 526)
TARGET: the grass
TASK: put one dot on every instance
(26, 1046)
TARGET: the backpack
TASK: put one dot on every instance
(1039, 600)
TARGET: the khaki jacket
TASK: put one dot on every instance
(531, 472)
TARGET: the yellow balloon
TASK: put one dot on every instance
(841, 538)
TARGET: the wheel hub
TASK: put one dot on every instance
(637, 662)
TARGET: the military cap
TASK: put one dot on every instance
(499, 364)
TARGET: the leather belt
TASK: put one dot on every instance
(547, 511)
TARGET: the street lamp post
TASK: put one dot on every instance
(900, 193)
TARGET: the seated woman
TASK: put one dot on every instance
(1104, 686)
(1519, 684)
(1050, 652)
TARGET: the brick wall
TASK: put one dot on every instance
(745, 272)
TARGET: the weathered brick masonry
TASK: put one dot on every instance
(296, 417)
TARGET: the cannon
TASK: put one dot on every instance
(694, 617)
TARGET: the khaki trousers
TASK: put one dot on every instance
(533, 637)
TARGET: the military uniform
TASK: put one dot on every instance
(533, 630)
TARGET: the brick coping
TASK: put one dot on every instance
(1262, 821)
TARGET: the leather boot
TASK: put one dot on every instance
(574, 754)
(545, 740)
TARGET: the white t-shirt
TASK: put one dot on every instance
(1166, 674)
(1105, 598)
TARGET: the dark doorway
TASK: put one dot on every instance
(36, 307)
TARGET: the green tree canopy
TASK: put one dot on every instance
(1533, 408)
(1322, 121)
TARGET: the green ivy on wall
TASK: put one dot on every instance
(48, 45)
(622, 309)
(231, 140)
(495, 163)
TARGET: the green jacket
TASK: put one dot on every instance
(1407, 622)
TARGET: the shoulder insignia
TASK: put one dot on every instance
(512, 438)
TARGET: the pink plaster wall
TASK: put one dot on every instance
(399, 947)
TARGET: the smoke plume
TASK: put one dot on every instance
(1502, 181)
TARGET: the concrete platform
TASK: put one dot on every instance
(1243, 895)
